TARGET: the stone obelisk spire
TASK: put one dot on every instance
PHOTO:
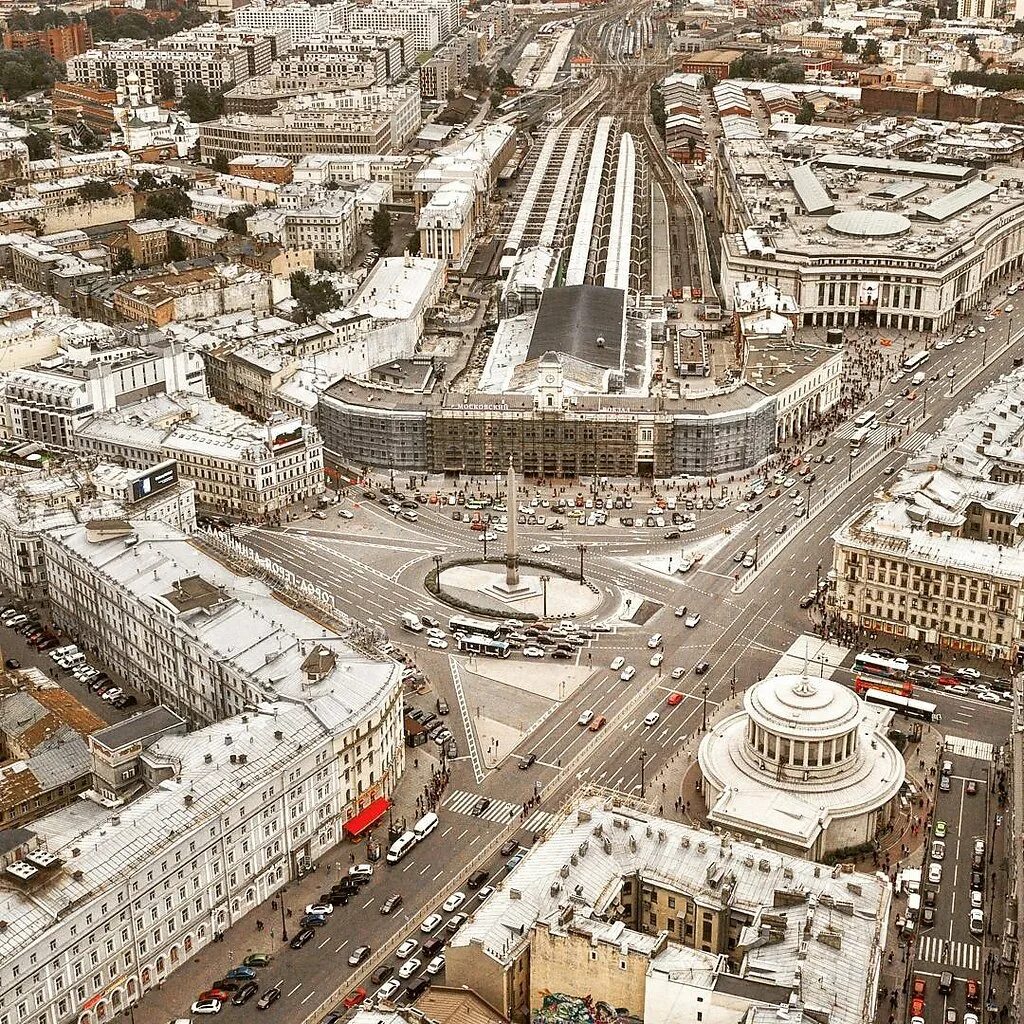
(511, 539)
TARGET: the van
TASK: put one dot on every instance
(478, 878)
(418, 987)
(433, 946)
(411, 622)
(75, 659)
(917, 380)
(401, 846)
(425, 826)
(946, 982)
(62, 652)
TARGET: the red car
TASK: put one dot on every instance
(355, 997)
(674, 699)
(920, 987)
(916, 1008)
(947, 681)
(214, 993)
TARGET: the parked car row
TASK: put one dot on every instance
(238, 986)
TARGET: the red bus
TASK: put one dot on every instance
(903, 688)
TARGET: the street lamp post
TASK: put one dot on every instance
(544, 581)
(810, 484)
(643, 761)
(849, 466)
(582, 549)
(487, 529)
(284, 929)
(757, 548)
(704, 710)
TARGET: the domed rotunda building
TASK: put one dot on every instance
(805, 766)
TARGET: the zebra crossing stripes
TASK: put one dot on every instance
(978, 749)
(966, 955)
(462, 802)
(915, 442)
(539, 821)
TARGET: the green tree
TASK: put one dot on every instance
(412, 244)
(312, 297)
(175, 248)
(25, 71)
(972, 49)
(123, 261)
(927, 17)
(380, 230)
(235, 220)
(816, 26)
(869, 52)
(479, 78)
(147, 181)
(40, 144)
(168, 203)
(849, 44)
(657, 108)
(96, 189)
(806, 115)
(202, 104)
(503, 80)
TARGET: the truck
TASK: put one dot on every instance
(411, 622)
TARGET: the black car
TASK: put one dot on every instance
(12, 663)
(480, 806)
(336, 899)
(807, 600)
(977, 881)
(312, 921)
(227, 985)
(301, 939)
(509, 847)
(430, 622)
(391, 903)
(269, 997)
(701, 668)
(245, 993)
(416, 714)
(382, 974)
(563, 655)
(530, 759)
(478, 878)
(672, 535)
(418, 987)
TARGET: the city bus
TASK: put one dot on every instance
(866, 419)
(478, 627)
(882, 668)
(476, 644)
(904, 705)
(904, 688)
(859, 436)
(914, 361)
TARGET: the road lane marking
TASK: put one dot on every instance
(437, 876)
(368, 902)
(338, 949)
(294, 990)
(324, 943)
(307, 999)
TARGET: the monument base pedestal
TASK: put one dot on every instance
(520, 591)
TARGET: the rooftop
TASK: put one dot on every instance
(584, 321)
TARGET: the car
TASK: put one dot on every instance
(406, 949)
(989, 698)
(513, 862)
(206, 1006)
(436, 644)
(586, 717)
(935, 873)
(12, 663)
(393, 902)
(381, 974)
(627, 673)
(358, 955)
(652, 719)
(220, 990)
(656, 659)
(257, 960)
(453, 902)
(598, 723)
(320, 909)
(302, 938)
(807, 600)
(940, 830)
(485, 891)
(655, 641)
(457, 921)
(944, 784)
(312, 921)
(977, 922)
(678, 672)
(241, 974)
(977, 899)
(436, 966)
(409, 968)
(345, 513)
(972, 992)
(533, 651)
(354, 998)
(739, 556)
(561, 654)
(617, 663)
(387, 990)
(480, 806)
(528, 761)
(361, 872)
(938, 850)
(541, 549)
(245, 993)
(674, 698)
(701, 667)
(691, 620)
(972, 787)
(509, 847)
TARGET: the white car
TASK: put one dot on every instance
(431, 924)
(935, 872)
(652, 719)
(656, 659)
(788, 482)
(438, 645)
(989, 698)
(436, 634)
(207, 1006)
(830, 459)
(890, 402)
(361, 871)
(968, 673)
(533, 652)
(454, 902)
(977, 922)
(406, 949)
(486, 891)
(678, 673)
(541, 549)
(743, 506)
(436, 966)
(977, 899)
(488, 536)
(112, 694)
(409, 968)
(617, 663)
(345, 514)
(627, 673)
(585, 718)
(687, 528)
(655, 641)
(388, 989)
(321, 909)
(896, 378)
(691, 620)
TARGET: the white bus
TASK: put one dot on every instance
(914, 360)
(859, 436)
(865, 419)
(476, 644)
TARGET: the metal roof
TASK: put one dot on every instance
(957, 201)
(809, 190)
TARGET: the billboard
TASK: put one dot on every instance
(284, 433)
(154, 480)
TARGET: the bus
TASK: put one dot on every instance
(859, 436)
(866, 419)
(914, 360)
(864, 683)
(476, 644)
(881, 668)
(904, 705)
(479, 627)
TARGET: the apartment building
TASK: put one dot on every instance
(49, 402)
(184, 834)
(393, 51)
(300, 20)
(238, 466)
(940, 559)
(446, 224)
(656, 915)
(261, 46)
(431, 22)
(377, 120)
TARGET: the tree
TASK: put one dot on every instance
(657, 107)
(220, 163)
(202, 104)
(25, 71)
(313, 297)
(147, 181)
(927, 17)
(412, 244)
(123, 261)
(175, 248)
(380, 230)
(167, 204)
(869, 52)
(815, 26)
(40, 144)
(95, 189)
(168, 87)
(806, 115)
(479, 78)
(972, 49)
(503, 80)
(235, 220)
(849, 44)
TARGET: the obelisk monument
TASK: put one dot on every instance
(511, 538)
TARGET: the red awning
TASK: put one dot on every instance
(368, 816)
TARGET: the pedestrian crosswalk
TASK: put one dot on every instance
(539, 821)
(966, 955)
(462, 802)
(915, 442)
(978, 749)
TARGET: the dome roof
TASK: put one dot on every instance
(804, 707)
